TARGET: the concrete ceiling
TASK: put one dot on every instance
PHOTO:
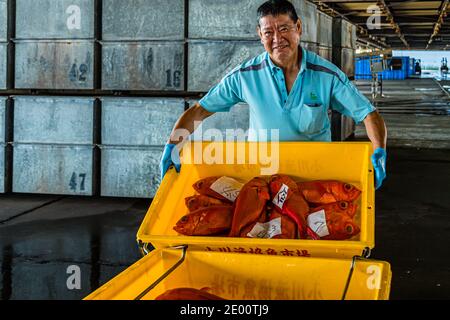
(408, 24)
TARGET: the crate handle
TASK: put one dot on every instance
(144, 248)
(365, 255)
(176, 265)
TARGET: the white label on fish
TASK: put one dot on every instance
(227, 187)
(318, 223)
(266, 230)
(281, 196)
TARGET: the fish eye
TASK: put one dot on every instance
(348, 187)
(184, 219)
(349, 229)
(343, 205)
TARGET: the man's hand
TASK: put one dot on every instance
(377, 133)
(169, 157)
(379, 165)
(185, 125)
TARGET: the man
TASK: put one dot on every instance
(286, 88)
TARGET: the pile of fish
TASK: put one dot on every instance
(271, 207)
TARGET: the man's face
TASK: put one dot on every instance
(280, 36)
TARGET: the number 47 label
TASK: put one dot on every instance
(76, 180)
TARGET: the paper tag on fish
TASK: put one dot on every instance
(281, 196)
(266, 230)
(318, 223)
(227, 187)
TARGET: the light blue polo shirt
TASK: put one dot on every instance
(300, 116)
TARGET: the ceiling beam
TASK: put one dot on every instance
(401, 20)
(347, 1)
(390, 18)
(414, 34)
(437, 26)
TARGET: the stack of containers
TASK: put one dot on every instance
(55, 44)
(143, 45)
(3, 42)
(3, 50)
(308, 13)
(324, 35)
(53, 145)
(344, 45)
(131, 148)
(53, 136)
(142, 49)
(221, 35)
(2, 143)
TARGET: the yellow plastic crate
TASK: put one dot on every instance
(250, 277)
(348, 162)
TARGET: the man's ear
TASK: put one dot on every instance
(258, 31)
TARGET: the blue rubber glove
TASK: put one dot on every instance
(169, 157)
(379, 165)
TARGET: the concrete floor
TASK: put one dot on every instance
(415, 111)
(41, 236)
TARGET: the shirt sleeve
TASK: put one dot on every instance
(224, 95)
(346, 99)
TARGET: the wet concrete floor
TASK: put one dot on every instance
(415, 111)
(42, 236)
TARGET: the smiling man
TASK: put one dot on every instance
(287, 88)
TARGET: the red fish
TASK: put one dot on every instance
(288, 226)
(206, 221)
(339, 221)
(262, 219)
(249, 205)
(349, 208)
(203, 187)
(328, 191)
(200, 201)
(187, 294)
(289, 201)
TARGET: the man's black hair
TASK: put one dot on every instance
(275, 8)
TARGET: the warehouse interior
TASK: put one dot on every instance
(90, 91)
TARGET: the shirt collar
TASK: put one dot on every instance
(273, 67)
